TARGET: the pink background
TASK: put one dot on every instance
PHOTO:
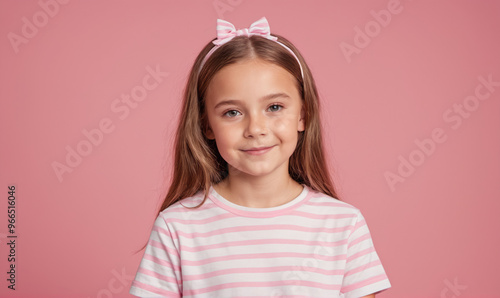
(77, 235)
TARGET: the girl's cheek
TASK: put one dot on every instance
(283, 123)
(279, 124)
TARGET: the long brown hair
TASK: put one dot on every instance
(197, 162)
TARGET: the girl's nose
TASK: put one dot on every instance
(256, 125)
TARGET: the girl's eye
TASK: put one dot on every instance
(231, 113)
(275, 108)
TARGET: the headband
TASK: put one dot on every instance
(226, 31)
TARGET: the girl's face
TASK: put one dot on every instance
(254, 112)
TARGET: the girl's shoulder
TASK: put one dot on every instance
(186, 205)
(325, 201)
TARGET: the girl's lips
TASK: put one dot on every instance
(258, 151)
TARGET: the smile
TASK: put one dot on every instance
(258, 151)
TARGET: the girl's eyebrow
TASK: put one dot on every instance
(264, 98)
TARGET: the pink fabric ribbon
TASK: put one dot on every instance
(226, 31)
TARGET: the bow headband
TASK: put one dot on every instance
(226, 31)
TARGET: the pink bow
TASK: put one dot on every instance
(226, 31)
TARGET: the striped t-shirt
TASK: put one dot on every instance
(312, 246)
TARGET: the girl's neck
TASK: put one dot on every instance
(258, 192)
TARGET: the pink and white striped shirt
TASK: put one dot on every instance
(312, 246)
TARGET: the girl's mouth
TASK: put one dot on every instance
(258, 150)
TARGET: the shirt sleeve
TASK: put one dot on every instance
(159, 273)
(364, 273)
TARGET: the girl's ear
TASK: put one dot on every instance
(209, 133)
(205, 127)
(302, 124)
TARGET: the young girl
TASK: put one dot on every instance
(251, 211)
